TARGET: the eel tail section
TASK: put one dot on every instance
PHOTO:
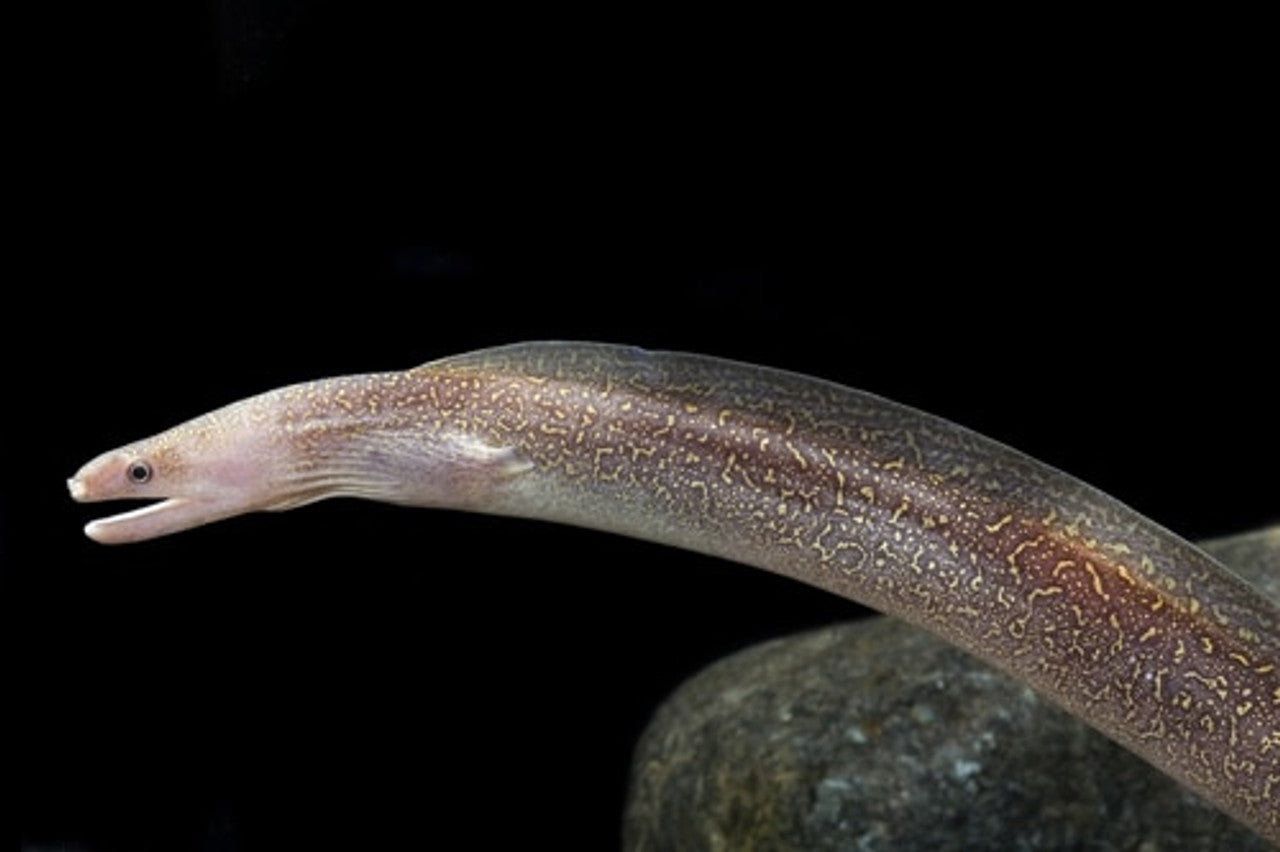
(1119, 621)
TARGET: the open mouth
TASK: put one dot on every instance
(155, 519)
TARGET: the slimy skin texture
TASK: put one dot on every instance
(1122, 623)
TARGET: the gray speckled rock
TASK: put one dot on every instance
(876, 736)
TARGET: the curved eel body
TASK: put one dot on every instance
(1120, 622)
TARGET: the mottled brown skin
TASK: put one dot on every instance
(1119, 621)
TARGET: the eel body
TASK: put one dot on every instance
(1119, 621)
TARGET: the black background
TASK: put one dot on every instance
(1055, 237)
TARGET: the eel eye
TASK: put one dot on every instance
(138, 472)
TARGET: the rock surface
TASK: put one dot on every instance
(876, 736)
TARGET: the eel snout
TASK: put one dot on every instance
(121, 477)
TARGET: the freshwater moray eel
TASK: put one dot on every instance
(1119, 621)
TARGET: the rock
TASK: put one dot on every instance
(876, 736)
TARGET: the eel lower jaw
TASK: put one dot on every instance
(157, 519)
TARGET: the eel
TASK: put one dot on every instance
(1117, 620)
